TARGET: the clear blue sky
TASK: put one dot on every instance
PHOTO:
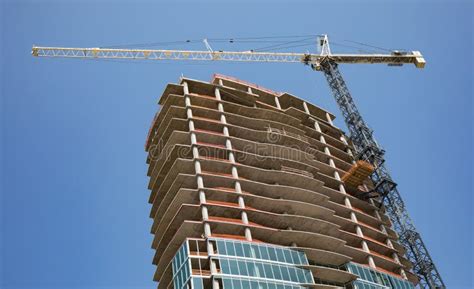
(73, 196)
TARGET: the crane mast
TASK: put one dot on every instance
(361, 135)
(367, 149)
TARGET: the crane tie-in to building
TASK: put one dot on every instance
(360, 134)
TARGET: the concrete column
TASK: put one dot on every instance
(245, 219)
(277, 102)
(205, 213)
(193, 136)
(372, 202)
(347, 202)
(200, 182)
(210, 248)
(248, 234)
(349, 152)
(404, 275)
(316, 126)
(223, 119)
(336, 176)
(189, 113)
(235, 174)
(389, 243)
(343, 139)
(328, 117)
(365, 187)
(342, 189)
(220, 107)
(202, 197)
(382, 229)
(331, 163)
(185, 87)
(195, 152)
(215, 284)
(249, 90)
(228, 144)
(197, 167)
(378, 215)
(322, 139)
(213, 267)
(231, 157)
(191, 125)
(217, 92)
(221, 83)
(240, 199)
(359, 232)
(225, 131)
(395, 257)
(365, 247)
(326, 151)
(353, 217)
(305, 106)
(207, 230)
(371, 262)
(187, 101)
(238, 189)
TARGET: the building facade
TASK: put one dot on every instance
(249, 190)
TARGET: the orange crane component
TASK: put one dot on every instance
(358, 173)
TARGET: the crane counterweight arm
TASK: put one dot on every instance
(414, 57)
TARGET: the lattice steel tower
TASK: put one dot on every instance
(367, 149)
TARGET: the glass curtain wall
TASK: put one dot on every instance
(371, 279)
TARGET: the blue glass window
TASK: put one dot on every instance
(230, 248)
(197, 283)
(239, 249)
(243, 283)
(272, 254)
(221, 247)
(243, 268)
(234, 267)
(264, 252)
(241, 259)
(280, 255)
(371, 279)
(285, 273)
(225, 266)
(180, 265)
(247, 250)
(261, 271)
(288, 256)
(251, 269)
(256, 252)
(236, 283)
(268, 271)
(277, 272)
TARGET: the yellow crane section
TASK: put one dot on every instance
(395, 58)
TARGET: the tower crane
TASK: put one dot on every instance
(360, 133)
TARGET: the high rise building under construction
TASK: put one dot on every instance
(252, 188)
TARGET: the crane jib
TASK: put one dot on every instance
(414, 57)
